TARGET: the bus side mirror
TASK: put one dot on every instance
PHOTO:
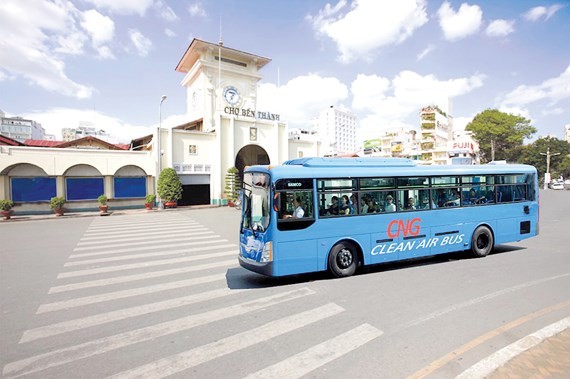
(526, 209)
(276, 202)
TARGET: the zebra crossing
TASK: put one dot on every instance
(157, 283)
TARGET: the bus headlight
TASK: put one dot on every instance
(267, 255)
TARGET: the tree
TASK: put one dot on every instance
(169, 185)
(499, 134)
(559, 164)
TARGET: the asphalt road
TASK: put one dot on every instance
(161, 293)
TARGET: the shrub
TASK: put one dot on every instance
(169, 185)
(56, 202)
(150, 198)
(102, 199)
(6, 205)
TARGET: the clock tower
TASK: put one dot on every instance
(225, 128)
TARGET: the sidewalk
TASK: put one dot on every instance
(95, 213)
(548, 359)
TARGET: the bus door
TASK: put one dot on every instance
(295, 241)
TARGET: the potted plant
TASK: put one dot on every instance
(56, 203)
(102, 200)
(6, 208)
(169, 187)
(232, 184)
(149, 201)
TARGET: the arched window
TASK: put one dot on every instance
(129, 182)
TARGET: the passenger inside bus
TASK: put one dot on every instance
(411, 204)
(299, 211)
(390, 206)
(333, 207)
(345, 205)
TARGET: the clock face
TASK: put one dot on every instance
(231, 95)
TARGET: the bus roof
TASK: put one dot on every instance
(379, 167)
(351, 162)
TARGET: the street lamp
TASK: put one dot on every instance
(548, 154)
(158, 147)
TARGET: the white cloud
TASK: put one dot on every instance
(500, 28)
(552, 111)
(165, 12)
(368, 91)
(534, 14)
(197, 10)
(458, 25)
(123, 6)
(517, 111)
(369, 25)
(169, 33)
(34, 35)
(553, 90)
(53, 120)
(302, 98)
(459, 123)
(425, 52)
(142, 44)
(396, 103)
(101, 29)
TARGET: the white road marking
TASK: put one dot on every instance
(121, 314)
(130, 231)
(163, 246)
(104, 345)
(486, 366)
(153, 221)
(131, 278)
(474, 301)
(319, 355)
(127, 226)
(100, 270)
(99, 298)
(105, 244)
(146, 243)
(149, 235)
(185, 360)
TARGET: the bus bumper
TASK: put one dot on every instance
(260, 268)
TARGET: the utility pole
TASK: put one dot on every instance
(547, 173)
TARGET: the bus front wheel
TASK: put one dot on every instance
(343, 260)
(482, 242)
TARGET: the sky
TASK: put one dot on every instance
(109, 62)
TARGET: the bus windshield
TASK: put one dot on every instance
(256, 201)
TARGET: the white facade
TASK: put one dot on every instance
(226, 128)
(20, 129)
(337, 130)
(567, 133)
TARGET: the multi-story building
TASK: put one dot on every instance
(337, 130)
(401, 143)
(567, 133)
(85, 130)
(20, 129)
(436, 131)
(304, 143)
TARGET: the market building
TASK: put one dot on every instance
(225, 129)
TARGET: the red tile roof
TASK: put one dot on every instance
(41, 143)
(9, 141)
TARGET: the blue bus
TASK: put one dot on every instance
(337, 214)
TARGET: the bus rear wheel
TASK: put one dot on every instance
(482, 242)
(343, 260)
